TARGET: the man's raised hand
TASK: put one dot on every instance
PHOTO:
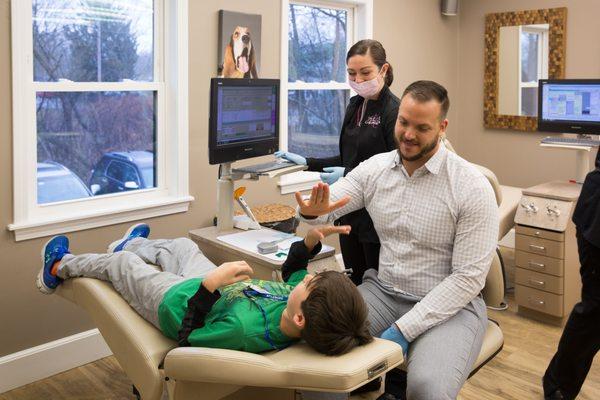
(318, 204)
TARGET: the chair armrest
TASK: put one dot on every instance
(296, 367)
(511, 196)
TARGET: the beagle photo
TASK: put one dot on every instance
(239, 61)
(239, 45)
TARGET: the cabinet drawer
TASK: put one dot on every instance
(544, 247)
(535, 262)
(538, 300)
(545, 282)
(540, 233)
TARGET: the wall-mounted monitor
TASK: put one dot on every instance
(243, 120)
(569, 106)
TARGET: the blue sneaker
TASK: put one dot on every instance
(54, 250)
(134, 231)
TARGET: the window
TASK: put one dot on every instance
(90, 84)
(315, 39)
(533, 65)
(317, 92)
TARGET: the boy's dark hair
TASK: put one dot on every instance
(377, 52)
(423, 91)
(335, 315)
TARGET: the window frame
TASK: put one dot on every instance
(361, 28)
(171, 194)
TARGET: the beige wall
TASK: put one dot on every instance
(514, 156)
(420, 43)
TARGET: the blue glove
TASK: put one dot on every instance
(393, 333)
(332, 174)
(293, 157)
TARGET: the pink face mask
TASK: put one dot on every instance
(366, 89)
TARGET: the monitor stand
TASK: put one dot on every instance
(582, 162)
(225, 198)
(225, 188)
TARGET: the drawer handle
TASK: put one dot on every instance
(536, 302)
(538, 233)
(538, 248)
(537, 265)
(538, 283)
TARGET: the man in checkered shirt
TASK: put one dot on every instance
(437, 219)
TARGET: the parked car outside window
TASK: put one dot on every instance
(55, 182)
(120, 171)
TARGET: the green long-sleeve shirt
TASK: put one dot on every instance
(234, 321)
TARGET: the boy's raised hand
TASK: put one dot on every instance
(318, 204)
(315, 235)
(226, 274)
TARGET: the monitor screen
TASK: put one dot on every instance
(569, 105)
(244, 119)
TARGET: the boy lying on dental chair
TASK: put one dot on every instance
(199, 304)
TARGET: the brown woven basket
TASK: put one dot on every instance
(275, 216)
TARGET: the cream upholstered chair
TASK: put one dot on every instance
(508, 198)
(155, 364)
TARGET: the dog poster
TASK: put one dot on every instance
(239, 45)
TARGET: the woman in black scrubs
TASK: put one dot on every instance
(368, 129)
(580, 341)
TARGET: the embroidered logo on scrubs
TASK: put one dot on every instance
(373, 120)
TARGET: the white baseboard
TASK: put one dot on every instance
(51, 358)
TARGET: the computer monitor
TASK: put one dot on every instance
(244, 119)
(569, 106)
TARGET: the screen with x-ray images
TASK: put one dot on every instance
(571, 102)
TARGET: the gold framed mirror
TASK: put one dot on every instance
(520, 48)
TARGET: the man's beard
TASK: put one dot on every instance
(424, 150)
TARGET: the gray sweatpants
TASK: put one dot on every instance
(440, 360)
(140, 284)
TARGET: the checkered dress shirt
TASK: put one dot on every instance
(438, 230)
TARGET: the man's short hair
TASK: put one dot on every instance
(424, 91)
(335, 314)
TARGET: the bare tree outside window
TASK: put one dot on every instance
(317, 43)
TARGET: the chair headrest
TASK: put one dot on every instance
(491, 177)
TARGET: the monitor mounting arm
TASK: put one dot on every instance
(225, 188)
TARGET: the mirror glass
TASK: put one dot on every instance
(522, 61)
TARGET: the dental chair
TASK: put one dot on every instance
(155, 364)
(507, 198)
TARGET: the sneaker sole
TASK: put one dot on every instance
(39, 282)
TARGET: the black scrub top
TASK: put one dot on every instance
(587, 212)
(360, 139)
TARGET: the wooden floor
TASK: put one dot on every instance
(515, 373)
